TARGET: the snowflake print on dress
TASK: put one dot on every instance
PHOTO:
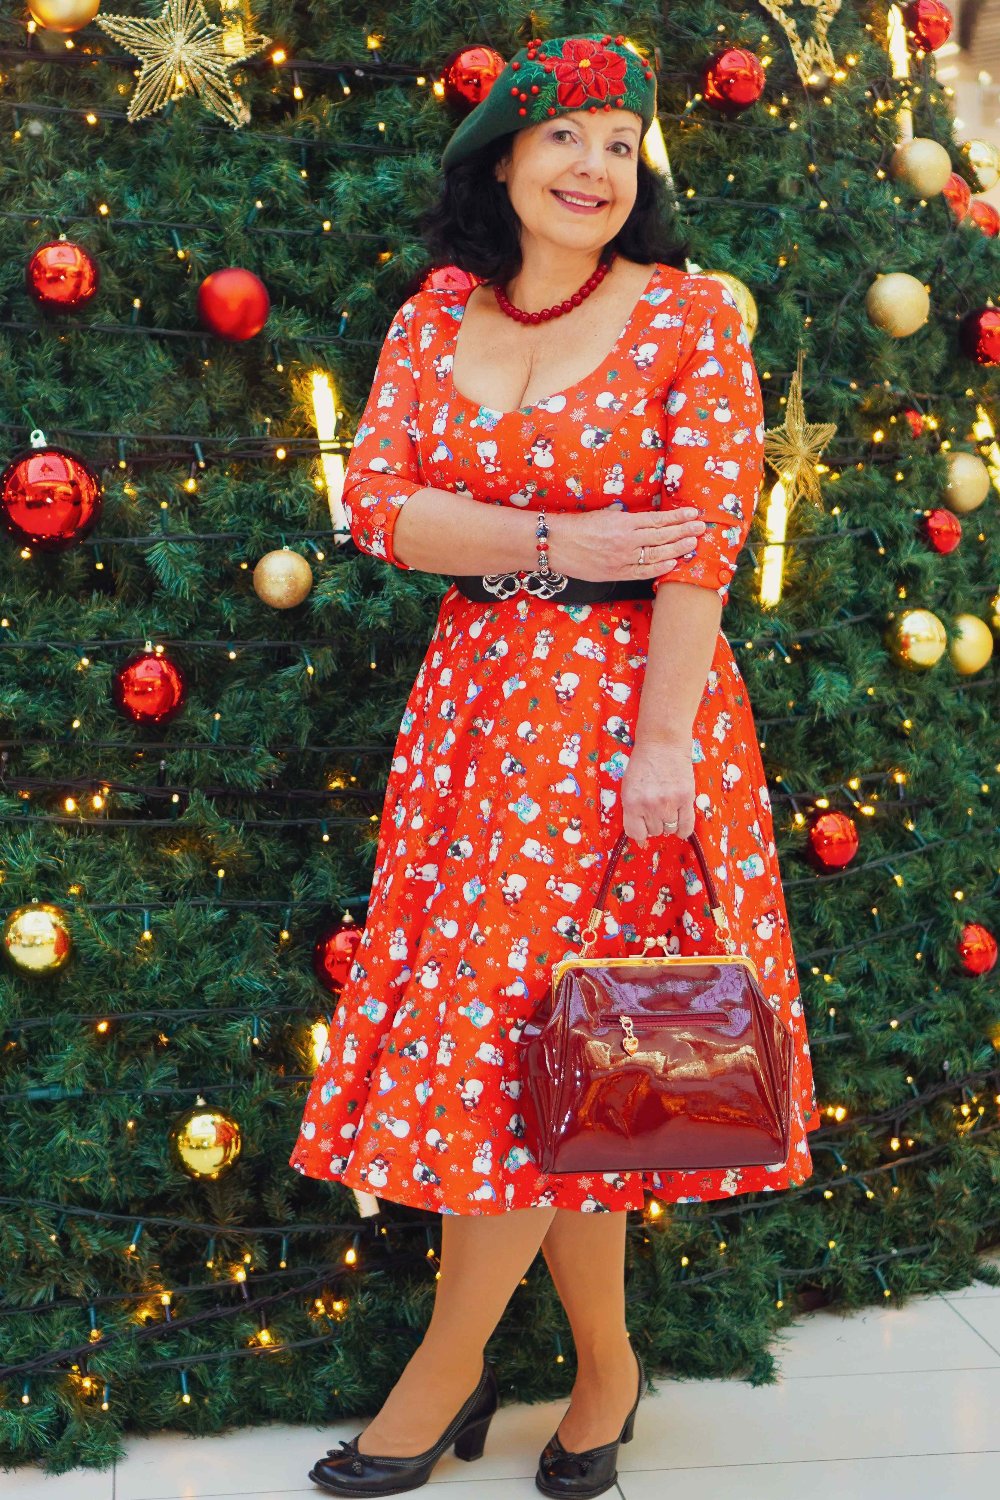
(504, 790)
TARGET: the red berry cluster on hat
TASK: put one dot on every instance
(589, 72)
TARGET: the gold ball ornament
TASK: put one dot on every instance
(898, 304)
(917, 639)
(923, 165)
(971, 644)
(743, 297)
(282, 578)
(995, 612)
(64, 15)
(984, 159)
(205, 1142)
(37, 939)
(968, 482)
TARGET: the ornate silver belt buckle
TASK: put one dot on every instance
(541, 585)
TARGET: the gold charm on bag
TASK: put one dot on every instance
(630, 1041)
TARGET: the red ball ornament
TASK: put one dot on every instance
(468, 76)
(916, 421)
(986, 217)
(943, 530)
(977, 948)
(61, 276)
(929, 23)
(449, 279)
(149, 688)
(49, 498)
(733, 80)
(333, 953)
(833, 840)
(958, 195)
(979, 335)
(233, 303)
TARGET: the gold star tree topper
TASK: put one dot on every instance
(793, 448)
(813, 57)
(183, 52)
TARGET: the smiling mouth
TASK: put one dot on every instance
(576, 201)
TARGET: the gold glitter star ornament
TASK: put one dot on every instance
(184, 52)
(794, 448)
(814, 60)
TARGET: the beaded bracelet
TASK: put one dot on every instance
(542, 544)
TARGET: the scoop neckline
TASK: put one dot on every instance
(519, 411)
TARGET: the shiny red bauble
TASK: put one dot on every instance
(149, 688)
(449, 279)
(733, 80)
(958, 195)
(334, 951)
(943, 530)
(61, 276)
(929, 23)
(49, 498)
(833, 840)
(233, 303)
(468, 76)
(979, 335)
(986, 217)
(977, 948)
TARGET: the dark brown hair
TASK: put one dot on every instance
(473, 225)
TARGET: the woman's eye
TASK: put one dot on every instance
(626, 152)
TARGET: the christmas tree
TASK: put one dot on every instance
(202, 254)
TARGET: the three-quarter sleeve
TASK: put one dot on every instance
(384, 467)
(715, 437)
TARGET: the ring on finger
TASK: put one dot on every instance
(641, 557)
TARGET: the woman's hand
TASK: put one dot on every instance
(658, 788)
(601, 545)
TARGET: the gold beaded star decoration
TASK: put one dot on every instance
(793, 448)
(184, 52)
(814, 60)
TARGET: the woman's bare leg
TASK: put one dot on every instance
(483, 1258)
(585, 1254)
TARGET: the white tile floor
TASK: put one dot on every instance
(886, 1404)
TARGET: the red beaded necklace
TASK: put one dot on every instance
(558, 308)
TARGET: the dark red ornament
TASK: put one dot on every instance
(334, 951)
(943, 530)
(916, 421)
(833, 840)
(49, 498)
(986, 217)
(977, 948)
(61, 276)
(149, 688)
(733, 80)
(958, 195)
(929, 23)
(468, 76)
(558, 308)
(979, 335)
(233, 303)
(449, 279)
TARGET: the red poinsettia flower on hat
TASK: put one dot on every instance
(585, 71)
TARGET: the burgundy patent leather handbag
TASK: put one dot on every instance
(656, 1063)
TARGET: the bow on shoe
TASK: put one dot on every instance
(350, 1446)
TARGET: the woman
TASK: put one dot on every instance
(535, 730)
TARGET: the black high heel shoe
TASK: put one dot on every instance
(345, 1471)
(591, 1472)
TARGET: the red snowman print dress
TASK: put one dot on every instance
(503, 802)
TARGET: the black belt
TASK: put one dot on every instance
(486, 588)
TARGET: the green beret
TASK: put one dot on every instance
(556, 77)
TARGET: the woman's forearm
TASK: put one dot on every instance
(682, 640)
(438, 531)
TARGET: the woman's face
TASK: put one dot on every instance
(581, 155)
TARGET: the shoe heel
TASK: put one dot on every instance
(626, 1436)
(472, 1439)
